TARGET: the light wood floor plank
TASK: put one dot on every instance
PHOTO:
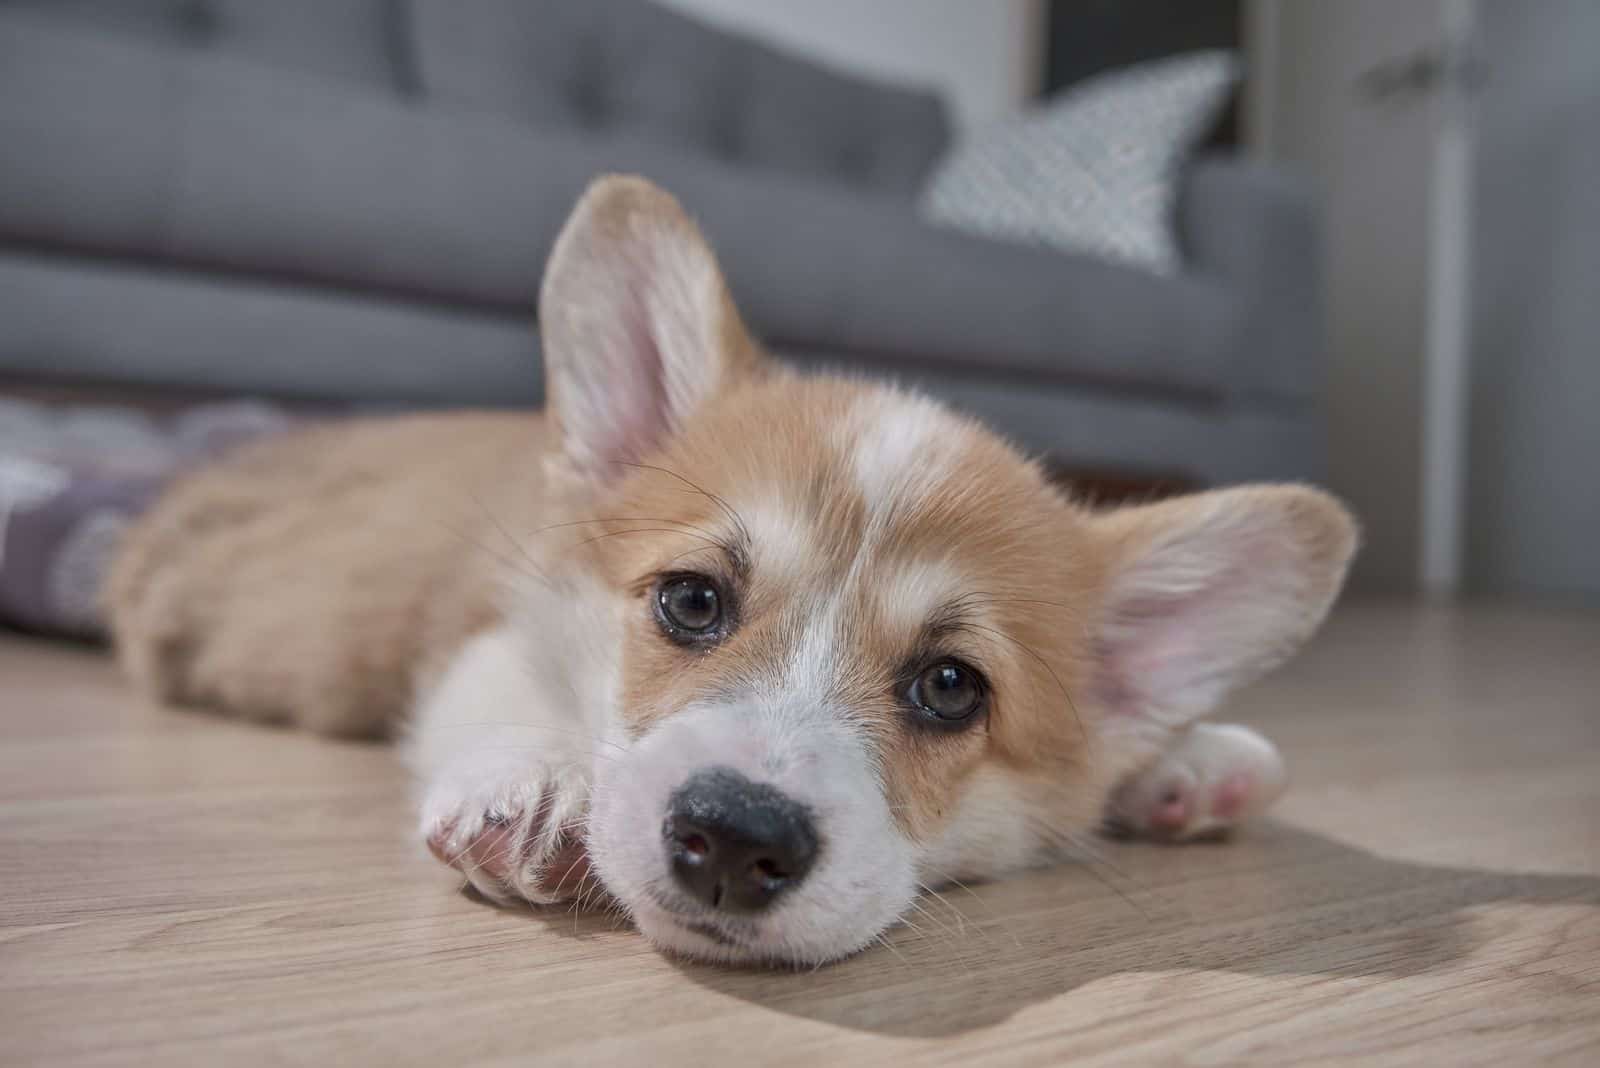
(176, 889)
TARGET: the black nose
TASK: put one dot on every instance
(734, 844)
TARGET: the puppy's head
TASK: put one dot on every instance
(864, 644)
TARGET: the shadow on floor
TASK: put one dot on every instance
(1281, 901)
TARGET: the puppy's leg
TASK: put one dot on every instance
(1212, 777)
(504, 774)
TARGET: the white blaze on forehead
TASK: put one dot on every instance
(817, 657)
(910, 593)
(782, 541)
(905, 446)
(900, 598)
(902, 448)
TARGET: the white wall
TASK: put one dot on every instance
(983, 55)
(1373, 167)
(1534, 463)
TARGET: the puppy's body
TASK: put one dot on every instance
(760, 652)
(317, 578)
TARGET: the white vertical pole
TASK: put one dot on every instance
(1449, 311)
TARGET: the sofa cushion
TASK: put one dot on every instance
(630, 65)
(349, 39)
(359, 40)
(238, 169)
(166, 21)
(90, 125)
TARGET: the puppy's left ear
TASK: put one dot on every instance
(1203, 594)
(637, 324)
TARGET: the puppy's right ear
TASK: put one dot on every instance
(637, 324)
(1203, 594)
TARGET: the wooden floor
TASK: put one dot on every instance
(179, 890)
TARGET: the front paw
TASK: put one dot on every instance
(1212, 778)
(518, 836)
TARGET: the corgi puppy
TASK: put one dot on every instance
(758, 655)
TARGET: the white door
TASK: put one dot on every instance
(1534, 461)
(1361, 95)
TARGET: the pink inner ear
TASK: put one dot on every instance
(1171, 654)
(632, 314)
(639, 400)
(1162, 665)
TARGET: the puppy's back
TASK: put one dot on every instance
(315, 577)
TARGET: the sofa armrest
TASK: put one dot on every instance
(1254, 227)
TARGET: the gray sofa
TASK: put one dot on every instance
(354, 200)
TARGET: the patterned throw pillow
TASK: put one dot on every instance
(1094, 169)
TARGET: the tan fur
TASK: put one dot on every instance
(318, 579)
(315, 578)
(992, 512)
(323, 578)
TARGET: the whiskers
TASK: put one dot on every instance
(1085, 854)
(955, 926)
(742, 531)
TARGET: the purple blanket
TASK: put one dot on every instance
(71, 479)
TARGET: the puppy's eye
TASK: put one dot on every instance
(948, 692)
(689, 607)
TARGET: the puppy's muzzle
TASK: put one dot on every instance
(736, 845)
